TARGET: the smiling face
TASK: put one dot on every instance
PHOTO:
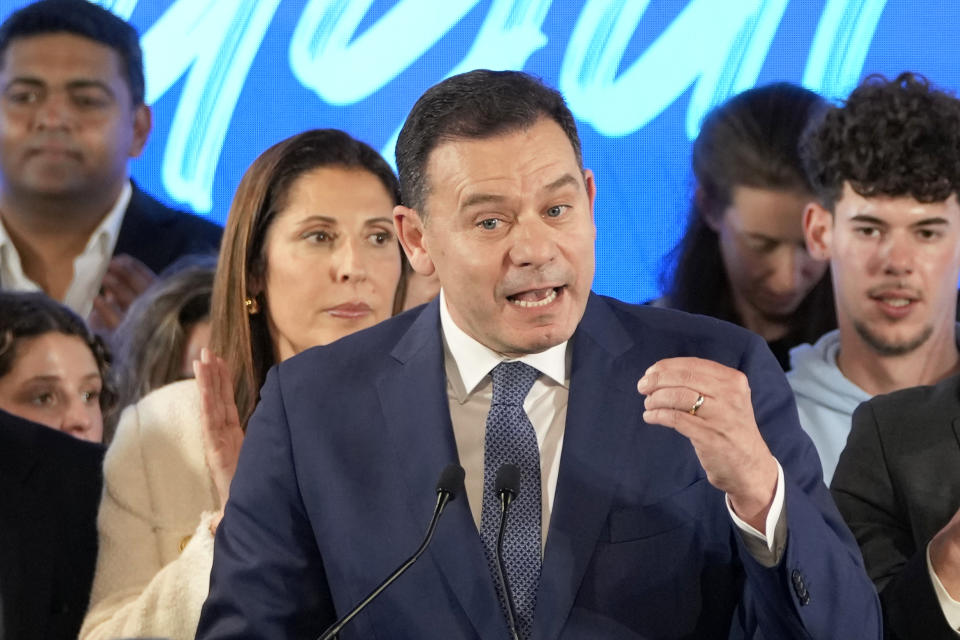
(764, 254)
(332, 259)
(510, 233)
(895, 265)
(67, 121)
(54, 381)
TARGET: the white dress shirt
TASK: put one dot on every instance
(88, 267)
(949, 606)
(470, 389)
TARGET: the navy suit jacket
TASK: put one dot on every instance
(336, 481)
(49, 493)
(157, 235)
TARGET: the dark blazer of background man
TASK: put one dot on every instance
(51, 486)
(335, 481)
(71, 117)
(898, 487)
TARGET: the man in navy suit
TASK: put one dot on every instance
(72, 115)
(48, 529)
(680, 499)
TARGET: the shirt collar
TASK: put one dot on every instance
(106, 232)
(474, 361)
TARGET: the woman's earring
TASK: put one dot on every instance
(253, 307)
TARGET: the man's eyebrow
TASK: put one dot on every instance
(80, 83)
(563, 181)
(481, 198)
(868, 219)
(89, 83)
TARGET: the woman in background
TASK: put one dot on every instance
(743, 257)
(164, 330)
(308, 256)
(53, 369)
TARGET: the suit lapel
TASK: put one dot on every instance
(602, 416)
(417, 415)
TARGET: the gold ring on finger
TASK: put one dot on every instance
(696, 405)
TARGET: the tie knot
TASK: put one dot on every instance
(512, 382)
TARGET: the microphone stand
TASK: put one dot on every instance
(444, 495)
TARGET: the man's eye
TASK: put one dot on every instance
(489, 224)
(23, 97)
(556, 210)
(91, 396)
(89, 101)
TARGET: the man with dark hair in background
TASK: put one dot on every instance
(886, 172)
(72, 115)
(887, 166)
(692, 509)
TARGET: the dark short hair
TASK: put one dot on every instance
(897, 137)
(28, 315)
(474, 105)
(82, 18)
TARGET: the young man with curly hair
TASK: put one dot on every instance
(886, 170)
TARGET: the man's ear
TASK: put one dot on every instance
(142, 124)
(818, 230)
(591, 184)
(410, 231)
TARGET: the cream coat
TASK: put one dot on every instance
(158, 494)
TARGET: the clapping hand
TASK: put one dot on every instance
(222, 433)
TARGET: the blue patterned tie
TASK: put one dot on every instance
(510, 438)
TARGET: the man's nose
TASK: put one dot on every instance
(53, 111)
(897, 255)
(534, 243)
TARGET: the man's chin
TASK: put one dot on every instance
(891, 345)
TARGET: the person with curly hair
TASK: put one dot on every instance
(886, 170)
(743, 257)
(53, 369)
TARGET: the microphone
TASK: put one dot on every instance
(449, 485)
(507, 486)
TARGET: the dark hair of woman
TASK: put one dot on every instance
(243, 340)
(28, 315)
(752, 140)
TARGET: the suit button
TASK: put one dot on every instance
(799, 587)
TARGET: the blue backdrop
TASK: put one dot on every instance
(227, 78)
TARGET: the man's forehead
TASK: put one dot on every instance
(60, 50)
(852, 204)
(541, 149)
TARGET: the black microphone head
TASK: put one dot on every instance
(507, 480)
(451, 480)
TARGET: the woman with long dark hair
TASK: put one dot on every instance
(309, 255)
(743, 256)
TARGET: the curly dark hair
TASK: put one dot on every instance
(897, 137)
(28, 315)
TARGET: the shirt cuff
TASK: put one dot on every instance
(949, 606)
(766, 547)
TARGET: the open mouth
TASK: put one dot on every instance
(535, 297)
